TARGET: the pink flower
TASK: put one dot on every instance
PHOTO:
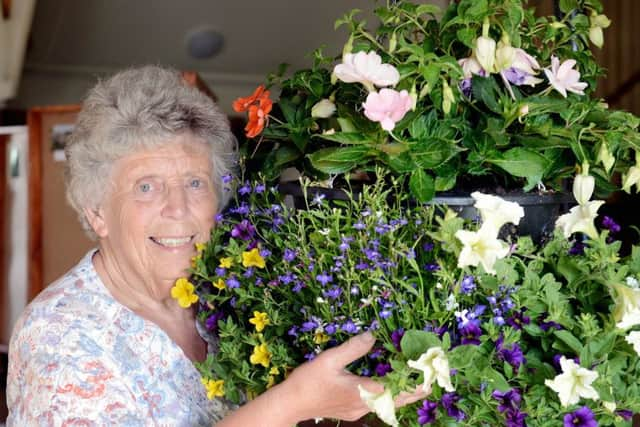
(564, 78)
(387, 107)
(368, 69)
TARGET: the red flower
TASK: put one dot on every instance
(258, 117)
(243, 104)
(259, 106)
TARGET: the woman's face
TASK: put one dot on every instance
(161, 202)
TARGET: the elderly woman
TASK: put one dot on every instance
(106, 344)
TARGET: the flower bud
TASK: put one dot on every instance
(583, 185)
(596, 36)
(605, 157)
(523, 110)
(631, 178)
(447, 97)
(485, 53)
(323, 109)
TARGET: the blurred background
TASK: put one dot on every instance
(52, 51)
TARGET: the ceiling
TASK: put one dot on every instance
(79, 39)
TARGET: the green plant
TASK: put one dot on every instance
(483, 92)
(501, 332)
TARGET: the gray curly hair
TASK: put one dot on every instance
(135, 109)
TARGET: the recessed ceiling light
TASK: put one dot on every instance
(204, 43)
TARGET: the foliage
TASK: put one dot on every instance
(474, 96)
(278, 285)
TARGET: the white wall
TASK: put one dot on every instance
(17, 230)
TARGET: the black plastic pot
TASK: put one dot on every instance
(540, 210)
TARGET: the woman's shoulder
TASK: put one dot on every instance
(77, 295)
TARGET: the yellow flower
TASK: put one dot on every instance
(252, 258)
(183, 292)
(226, 262)
(260, 320)
(261, 356)
(274, 371)
(200, 247)
(220, 284)
(320, 338)
(215, 388)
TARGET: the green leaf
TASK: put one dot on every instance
(462, 356)
(524, 163)
(567, 6)
(428, 9)
(415, 342)
(421, 185)
(568, 338)
(495, 379)
(348, 138)
(400, 163)
(340, 159)
(486, 90)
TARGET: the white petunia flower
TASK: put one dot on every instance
(580, 219)
(380, 403)
(495, 211)
(435, 367)
(627, 302)
(481, 247)
(573, 383)
(634, 339)
(367, 69)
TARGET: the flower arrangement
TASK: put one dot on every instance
(501, 332)
(484, 92)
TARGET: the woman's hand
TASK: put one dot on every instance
(321, 388)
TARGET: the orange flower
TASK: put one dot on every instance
(258, 117)
(242, 104)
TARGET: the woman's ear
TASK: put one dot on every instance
(96, 220)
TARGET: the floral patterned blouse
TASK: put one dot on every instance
(78, 357)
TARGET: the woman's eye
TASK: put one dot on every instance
(144, 187)
(195, 183)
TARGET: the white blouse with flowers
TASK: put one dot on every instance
(78, 357)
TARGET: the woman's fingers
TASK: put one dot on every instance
(407, 398)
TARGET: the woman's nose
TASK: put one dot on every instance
(176, 204)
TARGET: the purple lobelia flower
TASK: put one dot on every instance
(467, 285)
(245, 189)
(449, 402)
(244, 230)
(427, 412)
(508, 399)
(324, 278)
(289, 255)
(350, 327)
(582, 417)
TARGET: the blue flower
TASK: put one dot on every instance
(350, 327)
(324, 278)
(289, 255)
(232, 282)
(467, 285)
